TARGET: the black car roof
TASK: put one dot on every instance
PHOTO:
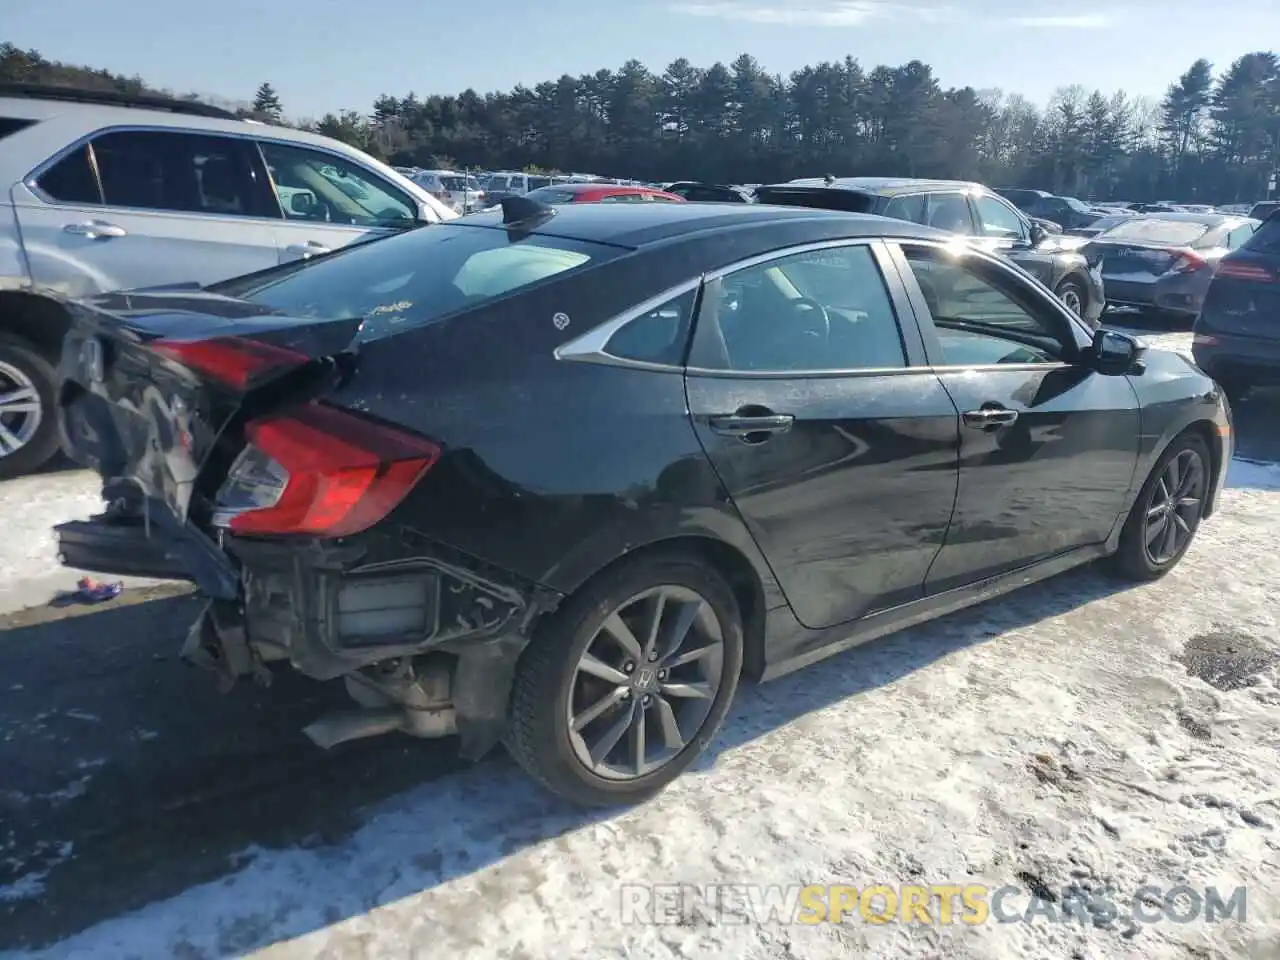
(882, 186)
(640, 224)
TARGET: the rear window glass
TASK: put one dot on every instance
(416, 278)
(552, 195)
(1175, 233)
(822, 198)
(10, 125)
(1263, 210)
(1267, 237)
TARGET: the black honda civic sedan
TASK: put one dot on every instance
(559, 478)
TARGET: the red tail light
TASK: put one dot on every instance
(1188, 262)
(321, 472)
(1245, 271)
(231, 361)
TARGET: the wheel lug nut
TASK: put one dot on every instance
(653, 655)
(662, 674)
(645, 700)
(628, 667)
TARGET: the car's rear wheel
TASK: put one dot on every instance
(1071, 293)
(28, 431)
(622, 688)
(1167, 513)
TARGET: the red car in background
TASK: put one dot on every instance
(560, 193)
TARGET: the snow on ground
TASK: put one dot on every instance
(1046, 739)
(29, 570)
(1058, 737)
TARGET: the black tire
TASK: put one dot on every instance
(1132, 561)
(1236, 388)
(1071, 290)
(42, 447)
(538, 735)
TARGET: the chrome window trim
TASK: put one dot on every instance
(30, 181)
(589, 347)
(784, 252)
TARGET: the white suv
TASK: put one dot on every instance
(105, 192)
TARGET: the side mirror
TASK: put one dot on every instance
(302, 203)
(1038, 234)
(1115, 354)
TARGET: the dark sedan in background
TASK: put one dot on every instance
(1237, 334)
(1163, 263)
(985, 219)
(560, 476)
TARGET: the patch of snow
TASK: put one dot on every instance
(1047, 738)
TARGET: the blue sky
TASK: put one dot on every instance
(327, 54)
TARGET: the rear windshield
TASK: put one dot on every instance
(460, 183)
(10, 125)
(415, 278)
(1266, 239)
(823, 198)
(1173, 233)
(1263, 210)
(552, 195)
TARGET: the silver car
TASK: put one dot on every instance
(1163, 263)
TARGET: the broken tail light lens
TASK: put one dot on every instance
(230, 361)
(1188, 262)
(320, 471)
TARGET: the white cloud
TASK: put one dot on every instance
(1077, 21)
(831, 13)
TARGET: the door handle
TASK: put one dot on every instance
(309, 249)
(95, 230)
(989, 417)
(752, 429)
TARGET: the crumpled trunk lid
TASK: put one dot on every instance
(155, 386)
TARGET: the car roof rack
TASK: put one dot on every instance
(114, 98)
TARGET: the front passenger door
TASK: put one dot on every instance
(1048, 447)
(329, 202)
(838, 447)
(1002, 230)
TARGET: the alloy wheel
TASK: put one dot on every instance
(646, 682)
(1071, 297)
(20, 412)
(1174, 508)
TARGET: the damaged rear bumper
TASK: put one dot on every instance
(426, 640)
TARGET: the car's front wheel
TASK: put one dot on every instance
(623, 687)
(1167, 513)
(1071, 293)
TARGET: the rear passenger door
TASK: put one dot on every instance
(950, 211)
(838, 447)
(137, 208)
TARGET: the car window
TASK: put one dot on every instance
(950, 212)
(1266, 239)
(343, 192)
(415, 278)
(818, 310)
(552, 195)
(995, 219)
(911, 208)
(982, 314)
(537, 183)
(71, 180)
(184, 172)
(1174, 233)
(1238, 237)
(622, 198)
(659, 336)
